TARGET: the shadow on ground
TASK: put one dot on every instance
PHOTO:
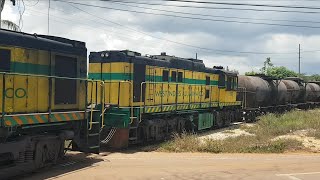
(71, 163)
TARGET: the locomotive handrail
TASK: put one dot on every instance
(47, 76)
(8, 74)
(131, 95)
(176, 101)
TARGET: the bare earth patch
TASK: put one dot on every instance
(311, 143)
(226, 134)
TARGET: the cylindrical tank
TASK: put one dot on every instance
(257, 91)
(281, 96)
(293, 90)
(312, 92)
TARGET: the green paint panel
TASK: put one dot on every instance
(205, 121)
(117, 117)
(110, 76)
(28, 68)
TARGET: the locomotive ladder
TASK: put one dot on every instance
(94, 125)
(133, 131)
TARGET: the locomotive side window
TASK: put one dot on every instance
(5, 57)
(222, 80)
(65, 88)
(207, 80)
(165, 76)
(173, 76)
(180, 77)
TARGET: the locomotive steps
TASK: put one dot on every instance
(296, 131)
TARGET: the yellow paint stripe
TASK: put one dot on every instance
(18, 120)
(66, 117)
(57, 117)
(74, 116)
(30, 120)
(8, 123)
(39, 119)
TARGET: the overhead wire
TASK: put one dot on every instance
(36, 3)
(220, 16)
(175, 42)
(215, 8)
(243, 4)
(196, 18)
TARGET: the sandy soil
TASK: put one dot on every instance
(167, 166)
(221, 134)
(309, 142)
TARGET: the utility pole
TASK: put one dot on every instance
(1, 8)
(299, 60)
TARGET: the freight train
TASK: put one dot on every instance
(51, 101)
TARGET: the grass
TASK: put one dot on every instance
(263, 141)
(272, 125)
(240, 144)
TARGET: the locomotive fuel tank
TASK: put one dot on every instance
(256, 91)
(312, 92)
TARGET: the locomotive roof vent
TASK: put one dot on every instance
(163, 53)
(218, 67)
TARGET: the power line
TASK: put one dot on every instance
(197, 18)
(216, 8)
(54, 18)
(231, 17)
(245, 4)
(175, 42)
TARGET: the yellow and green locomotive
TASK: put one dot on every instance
(48, 96)
(43, 85)
(149, 97)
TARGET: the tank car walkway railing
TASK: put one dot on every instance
(37, 113)
(195, 97)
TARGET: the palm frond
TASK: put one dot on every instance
(6, 24)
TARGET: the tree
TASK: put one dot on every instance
(6, 24)
(280, 72)
(270, 70)
(266, 64)
(251, 73)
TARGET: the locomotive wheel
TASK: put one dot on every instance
(219, 120)
(227, 119)
(47, 152)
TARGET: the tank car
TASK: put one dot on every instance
(296, 92)
(312, 92)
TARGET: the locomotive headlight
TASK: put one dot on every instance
(102, 55)
(106, 55)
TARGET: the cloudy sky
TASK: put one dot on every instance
(240, 46)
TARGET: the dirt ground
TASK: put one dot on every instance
(163, 166)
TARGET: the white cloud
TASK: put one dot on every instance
(103, 33)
